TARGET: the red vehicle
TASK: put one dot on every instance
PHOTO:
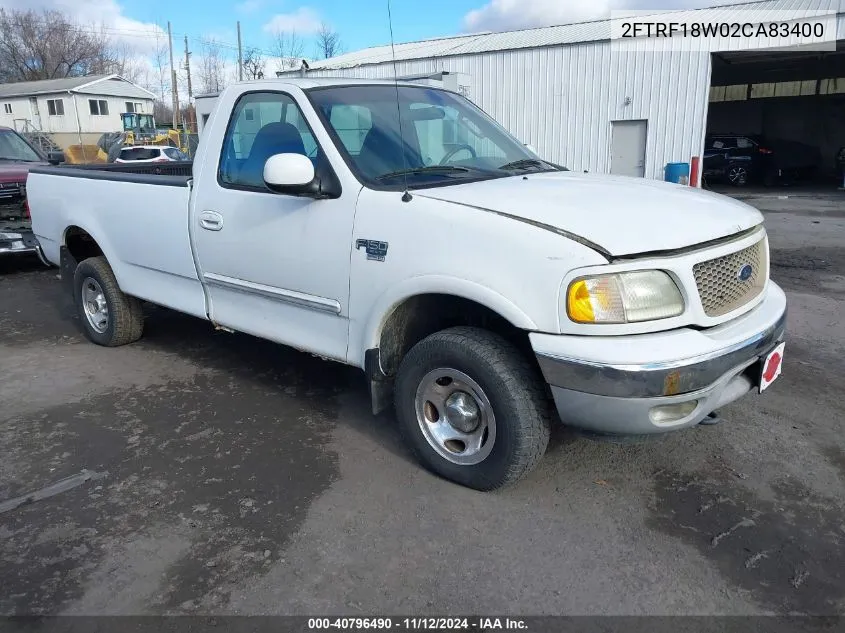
(17, 156)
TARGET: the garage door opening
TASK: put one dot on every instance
(776, 119)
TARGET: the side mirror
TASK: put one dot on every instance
(292, 174)
(56, 158)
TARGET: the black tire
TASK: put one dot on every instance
(514, 388)
(125, 316)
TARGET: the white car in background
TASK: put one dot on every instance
(151, 154)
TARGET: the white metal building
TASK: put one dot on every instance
(73, 109)
(591, 102)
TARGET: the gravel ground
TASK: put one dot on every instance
(217, 473)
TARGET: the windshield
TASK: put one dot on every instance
(444, 138)
(13, 147)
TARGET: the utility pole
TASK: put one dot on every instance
(240, 55)
(190, 88)
(174, 89)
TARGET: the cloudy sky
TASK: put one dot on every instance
(141, 25)
(361, 23)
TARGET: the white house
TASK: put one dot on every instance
(73, 109)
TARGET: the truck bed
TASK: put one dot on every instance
(138, 217)
(177, 173)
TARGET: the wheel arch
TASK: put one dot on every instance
(81, 243)
(405, 318)
(389, 307)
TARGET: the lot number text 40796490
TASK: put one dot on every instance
(419, 624)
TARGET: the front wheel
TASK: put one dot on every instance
(472, 408)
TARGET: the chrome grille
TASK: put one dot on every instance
(720, 282)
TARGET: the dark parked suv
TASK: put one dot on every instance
(740, 159)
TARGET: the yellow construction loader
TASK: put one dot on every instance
(138, 129)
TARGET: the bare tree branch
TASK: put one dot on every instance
(254, 64)
(287, 47)
(47, 45)
(328, 42)
(212, 69)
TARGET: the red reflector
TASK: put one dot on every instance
(772, 367)
(764, 150)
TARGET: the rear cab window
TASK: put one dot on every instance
(722, 142)
(140, 153)
(174, 154)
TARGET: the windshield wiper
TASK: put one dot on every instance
(430, 169)
(527, 163)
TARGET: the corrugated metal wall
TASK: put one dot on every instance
(562, 99)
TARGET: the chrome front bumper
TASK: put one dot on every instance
(602, 388)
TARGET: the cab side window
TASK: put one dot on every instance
(263, 124)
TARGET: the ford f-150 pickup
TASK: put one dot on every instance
(399, 229)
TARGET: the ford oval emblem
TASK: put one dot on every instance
(745, 272)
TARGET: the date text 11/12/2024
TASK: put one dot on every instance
(418, 624)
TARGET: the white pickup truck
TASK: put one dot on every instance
(399, 229)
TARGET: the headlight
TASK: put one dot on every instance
(643, 295)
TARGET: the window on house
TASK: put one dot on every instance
(8, 108)
(98, 107)
(134, 106)
(56, 107)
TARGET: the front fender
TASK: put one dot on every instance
(384, 306)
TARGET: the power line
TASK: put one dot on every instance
(158, 36)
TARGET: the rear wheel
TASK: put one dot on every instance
(108, 316)
(471, 408)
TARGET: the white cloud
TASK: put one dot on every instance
(303, 20)
(140, 43)
(249, 6)
(506, 15)
(107, 14)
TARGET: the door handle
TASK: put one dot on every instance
(211, 220)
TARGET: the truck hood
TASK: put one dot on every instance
(620, 215)
(16, 172)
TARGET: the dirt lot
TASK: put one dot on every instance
(218, 473)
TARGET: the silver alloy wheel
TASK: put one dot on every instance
(738, 175)
(455, 416)
(95, 305)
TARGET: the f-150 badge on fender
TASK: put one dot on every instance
(376, 250)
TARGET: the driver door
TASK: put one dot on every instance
(274, 265)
